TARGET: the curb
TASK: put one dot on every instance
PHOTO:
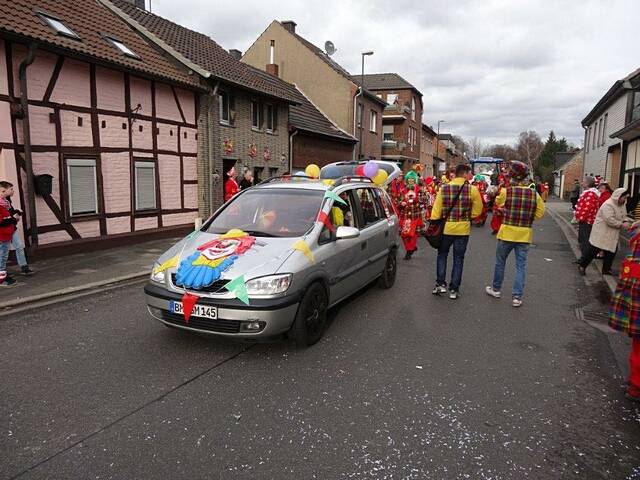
(71, 290)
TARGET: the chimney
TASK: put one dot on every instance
(272, 68)
(236, 54)
(290, 25)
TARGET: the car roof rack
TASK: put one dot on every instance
(286, 178)
(349, 179)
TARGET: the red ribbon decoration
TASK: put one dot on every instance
(324, 218)
(188, 302)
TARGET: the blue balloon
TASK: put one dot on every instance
(300, 174)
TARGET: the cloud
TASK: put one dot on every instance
(490, 68)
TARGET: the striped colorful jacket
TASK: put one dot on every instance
(461, 211)
(520, 207)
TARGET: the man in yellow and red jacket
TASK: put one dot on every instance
(520, 206)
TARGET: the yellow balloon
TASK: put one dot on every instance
(328, 182)
(380, 177)
(312, 171)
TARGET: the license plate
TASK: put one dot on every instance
(202, 311)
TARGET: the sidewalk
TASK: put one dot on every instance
(83, 271)
(563, 214)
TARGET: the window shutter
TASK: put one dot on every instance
(82, 187)
(145, 185)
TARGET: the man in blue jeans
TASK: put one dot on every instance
(520, 206)
(458, 202)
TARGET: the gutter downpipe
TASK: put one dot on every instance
(291, 151)
(355, 121)
(26, 131)
(213, 105)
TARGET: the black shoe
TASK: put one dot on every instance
(8, 282)
(613, 273)
(577, 261)
(407, 256)
(26, 270)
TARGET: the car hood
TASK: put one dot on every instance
(265, 257)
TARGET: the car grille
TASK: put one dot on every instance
(215, 287)
(221, 326)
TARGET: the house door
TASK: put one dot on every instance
(613, 166)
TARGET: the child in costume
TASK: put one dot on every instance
(481, 184)
(496, 218)
(624, 312)
(412, 205)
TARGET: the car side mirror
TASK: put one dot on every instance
(344, 233)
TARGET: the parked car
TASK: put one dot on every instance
(294, 246)
(343, 169)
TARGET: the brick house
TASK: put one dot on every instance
(603, 151)
(243, 116)
(428, 150)
(324, 82)
(87, 105)
(567, 172)
(629, 134)
(401, 119)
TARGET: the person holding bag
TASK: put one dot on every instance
(457, 203)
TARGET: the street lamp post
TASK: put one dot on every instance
(361, 93)
(438, 142)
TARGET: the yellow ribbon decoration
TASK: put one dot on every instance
(202, 260)
(172, 262)
(302, 246)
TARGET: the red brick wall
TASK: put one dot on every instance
(309, 149)
(401, 127)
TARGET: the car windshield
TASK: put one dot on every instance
(270, 212)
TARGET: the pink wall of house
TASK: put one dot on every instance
(115, 159)
(110, 89)
(73, 86)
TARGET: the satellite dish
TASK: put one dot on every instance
(329, 47)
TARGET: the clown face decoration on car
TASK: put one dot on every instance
(206, 265)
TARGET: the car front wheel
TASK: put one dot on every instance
(311, 319)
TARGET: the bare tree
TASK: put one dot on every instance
(529, 147)
(506, 152)
(476, 147)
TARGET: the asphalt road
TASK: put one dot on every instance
(404, 385)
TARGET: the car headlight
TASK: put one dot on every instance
(269, 285)
(156, 276)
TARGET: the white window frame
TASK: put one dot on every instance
(413, 108)
(391, 98)
(221, 94)
(373, 121)
(271, 117)
(604, 129)
(255, 108)
(82, 162)
(359, 114)
(595, 136)
(146, 165)
(58, 25)
(122, 47)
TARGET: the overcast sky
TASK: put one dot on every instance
(489, 68)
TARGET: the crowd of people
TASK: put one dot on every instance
(462, 199)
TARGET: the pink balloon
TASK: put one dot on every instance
(371, 169)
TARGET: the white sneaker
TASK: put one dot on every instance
(453, 294)
(492, 293)
(516, 302)
(438, 289)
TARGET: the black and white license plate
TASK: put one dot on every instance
(202, 311)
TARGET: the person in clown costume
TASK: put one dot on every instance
(431, 189)
(496, 217)
(481, 184)
(412, 205)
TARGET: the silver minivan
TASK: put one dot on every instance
(274, 258)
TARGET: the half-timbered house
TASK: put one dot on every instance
(98, 130)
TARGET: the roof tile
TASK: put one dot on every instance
(90, 20)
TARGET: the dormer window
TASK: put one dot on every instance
(59, 26)
(118, 45)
